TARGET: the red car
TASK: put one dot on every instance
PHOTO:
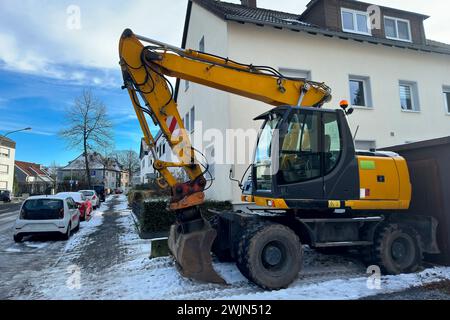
(84, 204)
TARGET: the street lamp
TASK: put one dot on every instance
(15, 131)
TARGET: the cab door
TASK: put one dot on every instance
(300, 174)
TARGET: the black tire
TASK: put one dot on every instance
(270, 255)
(18, 238)
(221, 255)
(77, 228)
(397, 249)
(66, 236)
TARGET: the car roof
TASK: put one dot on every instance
(53, 197)
(86, 190)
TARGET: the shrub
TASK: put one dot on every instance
(154, 216)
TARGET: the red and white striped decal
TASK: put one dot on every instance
(173, 126)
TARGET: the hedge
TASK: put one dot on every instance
(154, 216)
(152, 213)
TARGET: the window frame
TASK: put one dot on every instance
(7, 169)
(445, 92)
(367, 91)
(396, 20)
(415, 100)
(5, 155)
(355, 21)
(289, 72)
(6, 185)
(201, 44)
(187, 122)
(192, 119)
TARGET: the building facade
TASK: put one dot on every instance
(104, 172)
(33, 179)
(164, 153)
(377, 58)
(7, 157)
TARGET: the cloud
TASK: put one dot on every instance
(35, 39)
(7, 126)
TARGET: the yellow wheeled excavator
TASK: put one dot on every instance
(307, 184)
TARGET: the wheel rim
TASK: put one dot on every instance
(273, 256)
(402, 251)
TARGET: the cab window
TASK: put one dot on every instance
(300, 149)
(332, 142)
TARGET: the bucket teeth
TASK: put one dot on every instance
(192, 252)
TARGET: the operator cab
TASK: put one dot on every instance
(303, 154)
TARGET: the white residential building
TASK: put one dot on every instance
(104, 172)
(397, 80)
(147, 172)
(7, 158)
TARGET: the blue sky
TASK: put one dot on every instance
(44, 64)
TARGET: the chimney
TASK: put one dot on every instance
(249, 3)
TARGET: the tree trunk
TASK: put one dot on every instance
(88, 172)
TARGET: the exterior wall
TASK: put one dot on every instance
(211, 106)
(332, 61)
(9, 162)
(146, 168)
(327, 13)
(111, 180)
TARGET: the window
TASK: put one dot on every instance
(192, 125)
(93, 173)
(365, 145)
(360, 91)
(355, 21)
(447, 99)
(3, 185)
(71, 204)
(186, 85)
(332, 142)
(187, 122)
(263, 159)
(292, 73)
(409, 97)
(201, 45)
(300, 154)
(4, 153)
(397, 29)
(164, 149)
(4, 168)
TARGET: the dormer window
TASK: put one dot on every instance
(397, 29)
(355, 21)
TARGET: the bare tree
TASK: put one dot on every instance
(129, 160)
(88, 127)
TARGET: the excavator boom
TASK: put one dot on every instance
(144, 71)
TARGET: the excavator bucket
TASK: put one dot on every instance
(192, 251)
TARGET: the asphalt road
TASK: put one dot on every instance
(27, 264)
(6, 208)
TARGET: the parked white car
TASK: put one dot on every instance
(93, 197)
(47, 215)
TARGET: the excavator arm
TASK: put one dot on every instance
(144, 69)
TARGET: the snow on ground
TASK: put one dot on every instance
(141, 278)
(86, 228)
(137, 277)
